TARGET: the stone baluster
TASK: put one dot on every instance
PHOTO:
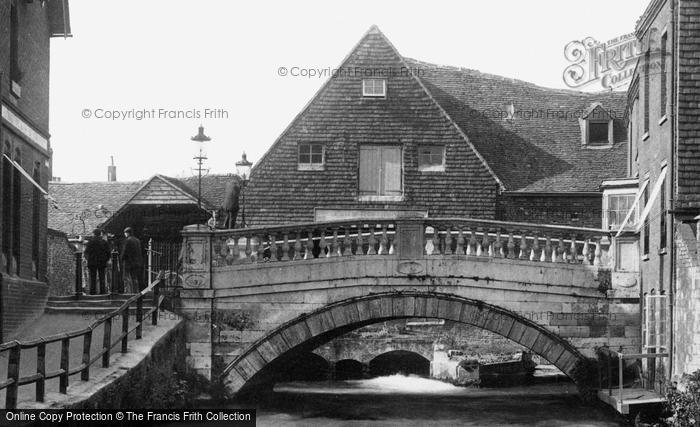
(560, 251)
(297, 245)
(347, 242)
(372, 240)
(448, 240)
(498, 246)
(598, 253)
(511, 245)
(322, 245)
(486, 243)
(547, 251)
(309, 254)
(479, 246)
(235, 250)
(261, 247)
(586, 253)
(460, 242)
(392, 249)
(524, 251)
(223, 250)
(273, 248)
(383, 242)
(473, 243)
(535, 253)
(335, 244)
(360, 250)
(248, 248)
(436, 241)
(285, 246)
(573, 252)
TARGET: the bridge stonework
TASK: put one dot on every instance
(254, 297)
(365, 349)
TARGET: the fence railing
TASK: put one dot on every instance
(15, 348)
(607, 358)
(422, 237)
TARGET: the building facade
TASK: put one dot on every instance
(25, 32)
(391, 135)
(664, 163)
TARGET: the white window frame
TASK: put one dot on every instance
(371, 92)
(310, 166)
(632, 222)
(432, 167)
(651, 301)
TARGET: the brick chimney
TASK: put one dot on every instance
(111, 171)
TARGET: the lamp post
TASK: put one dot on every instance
(243, 167)
(200, 139)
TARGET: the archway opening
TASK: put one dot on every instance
(399, 362)
(303, 367)
(348, 369)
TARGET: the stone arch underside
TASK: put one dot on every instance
(308, 331)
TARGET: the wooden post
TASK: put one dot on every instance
(156, 297)
(619, 362)
(41, 370)
(12, 374)
(116, 285)
(107, 342)
(65, 359)
(87, 344)
(139, 317)
(125, 328)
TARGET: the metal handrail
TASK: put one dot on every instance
(15, 347)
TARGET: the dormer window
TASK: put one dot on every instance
(596, 127)
(431, 158)
(310, 157)
(374, 88)
(598, 133)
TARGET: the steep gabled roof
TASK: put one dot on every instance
(529, 135)
(79, 203)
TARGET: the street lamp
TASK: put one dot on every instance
(243, 167)
(200, 139)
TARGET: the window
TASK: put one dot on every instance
(646, 91)
(431, 159)
(374, 87)
(15, 73)
(663, 99)
(598, 133)
(662, 218)
(380, 173)
(36, 225)
(617, 207)
(645, 199)
(6, 189)
(310, 157)
(16, 214)
(654, 312)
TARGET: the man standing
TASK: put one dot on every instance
(132, 259)
(97, 254)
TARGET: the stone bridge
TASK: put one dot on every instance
(256, 297)
(365, 349)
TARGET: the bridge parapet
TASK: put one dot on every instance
(409, 238)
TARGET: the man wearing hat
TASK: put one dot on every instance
(132, 259)
(97, 254)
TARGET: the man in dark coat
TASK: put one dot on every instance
(230, 203)
(132, 259)
(97, 254)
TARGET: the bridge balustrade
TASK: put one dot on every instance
(412, 238)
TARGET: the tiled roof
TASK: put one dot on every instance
(539, 148)
(79, 202)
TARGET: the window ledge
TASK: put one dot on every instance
(433, 168)
(311, 167)
(645, 136)
(645, 257)
(380, 198)
(663, 119)
(598, 146)
(662, 251)
(16, 89)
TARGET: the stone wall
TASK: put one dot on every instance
(60, 264)
(22, 301)
(686, 355)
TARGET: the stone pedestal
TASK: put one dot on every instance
(197, 297)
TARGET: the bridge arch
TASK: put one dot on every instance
(399, 362)
(308, 331)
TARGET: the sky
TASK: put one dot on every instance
(179, 64)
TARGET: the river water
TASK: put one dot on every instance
(412, 401)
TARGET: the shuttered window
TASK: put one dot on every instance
(380, 171)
